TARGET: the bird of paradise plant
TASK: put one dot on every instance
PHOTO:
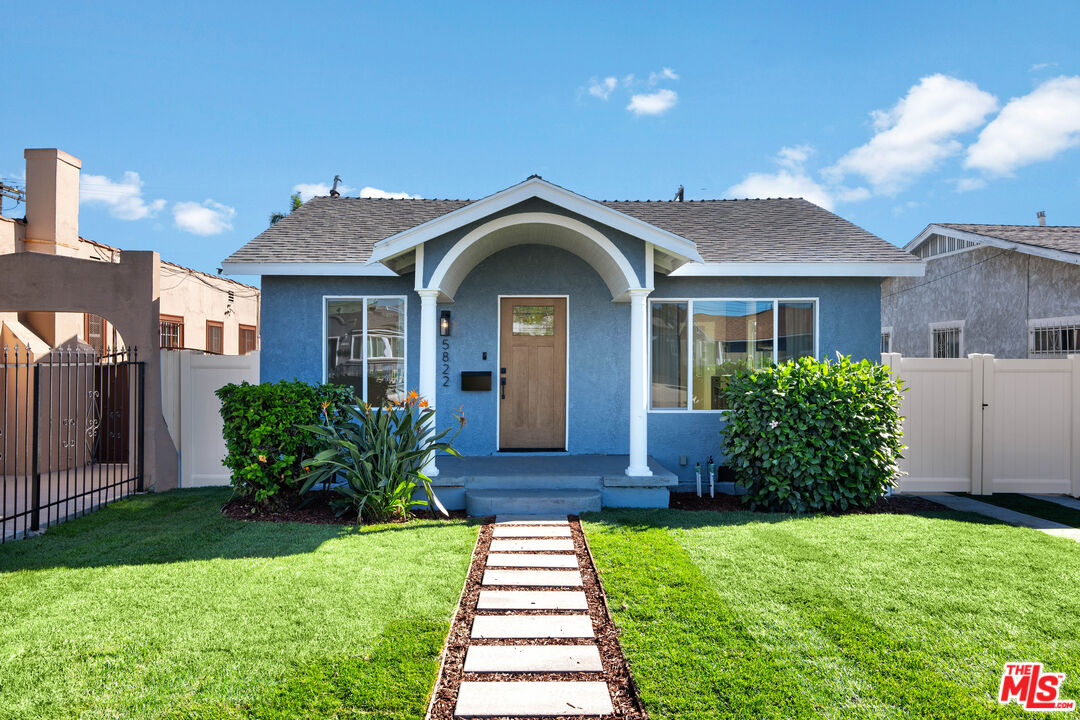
(379, 452)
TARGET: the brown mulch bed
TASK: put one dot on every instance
(317, 512)
(896, 504)
(616, 672)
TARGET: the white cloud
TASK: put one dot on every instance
(370, 192)
(1032, 128)
(917, 133)
(665, 74)
(123, 197)
(655, 103)
(603, 88)
(790, 181)
(310, 190)
(1041, 66)
(205, 218)
(969, 184)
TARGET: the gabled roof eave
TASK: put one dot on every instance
(673, 244)
(1049, 253)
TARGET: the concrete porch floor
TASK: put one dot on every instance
(520, 483)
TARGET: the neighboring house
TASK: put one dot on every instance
(563, 325)
(1012, 291)
(198, 311)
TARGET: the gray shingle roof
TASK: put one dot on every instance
(773, 230)
(1052, 237)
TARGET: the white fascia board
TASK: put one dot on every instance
(1059, 255)
(801, 269)
(534, 187)
(297, 268)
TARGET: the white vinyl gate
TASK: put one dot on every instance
(193, 412)
(983, 425)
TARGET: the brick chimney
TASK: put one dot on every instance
(52, 199)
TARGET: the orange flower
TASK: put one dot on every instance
(423, 403)
(262, 458)
(326, 405)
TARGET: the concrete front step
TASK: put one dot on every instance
(532, 520)
(518, 545)
(531, 560)
(527, 531)
(533, 658)
(533, 699)
(516, 502)
(505, 627)
(533, 578)
(532, 600)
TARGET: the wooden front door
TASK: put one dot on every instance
(532, 374)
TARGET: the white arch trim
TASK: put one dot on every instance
(471, 250)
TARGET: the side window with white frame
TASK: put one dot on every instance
(947, 339)
(886, 339)
(698, 344)
(1054, 337)
(365, 346)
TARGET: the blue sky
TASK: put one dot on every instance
(195, 121)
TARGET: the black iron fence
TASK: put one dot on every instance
(71, 434)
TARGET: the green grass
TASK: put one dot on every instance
(1031, 506)
(160, 607)
(742, 615)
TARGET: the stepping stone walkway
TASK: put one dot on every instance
(532, 552)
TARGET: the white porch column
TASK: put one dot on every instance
(639, 383)
(429, 335)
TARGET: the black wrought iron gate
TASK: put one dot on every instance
(71, 434)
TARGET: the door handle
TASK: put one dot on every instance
(502, 388)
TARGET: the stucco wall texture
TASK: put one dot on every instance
(993, 291)
(597, 348)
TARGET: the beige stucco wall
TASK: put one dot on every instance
(52, 227)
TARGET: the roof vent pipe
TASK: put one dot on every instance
(1042, 217)
(334, 191)
(679, 194)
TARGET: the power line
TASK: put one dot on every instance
(955, 272)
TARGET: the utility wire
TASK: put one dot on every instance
(955, 272)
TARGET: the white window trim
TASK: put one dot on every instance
(326, 299)
(947, 325)
(690, 340)
(888, 330)
(1044, 323)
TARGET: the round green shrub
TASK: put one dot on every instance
(265, 444)
(809, 435)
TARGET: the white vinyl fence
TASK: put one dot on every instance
(983, 425)
(193, 412)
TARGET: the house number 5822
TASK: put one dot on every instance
(445, 362)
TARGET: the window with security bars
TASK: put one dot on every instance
(172, 332)
(215, 337)
(95, 332)
(247, 339)
(946, 341)
(1054, 338)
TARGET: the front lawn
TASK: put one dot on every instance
(742, 615)
(160, 607)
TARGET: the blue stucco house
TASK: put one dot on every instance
(587, 342)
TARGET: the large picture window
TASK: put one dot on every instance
(365, 346)
(697, 345)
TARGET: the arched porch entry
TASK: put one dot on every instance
(571, 235)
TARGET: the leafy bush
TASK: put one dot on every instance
(380, 453)
(265, 445)
(812, 435)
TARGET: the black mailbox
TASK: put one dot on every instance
(476, 380)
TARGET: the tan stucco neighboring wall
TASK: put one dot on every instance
(198, 297)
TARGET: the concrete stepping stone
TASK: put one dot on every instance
(516, 531)
(533, 578)
(532, 600)
(533, 699)
(531, 560)
(531, 626)
(533, 658)
(531, 520)
(531, 545)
